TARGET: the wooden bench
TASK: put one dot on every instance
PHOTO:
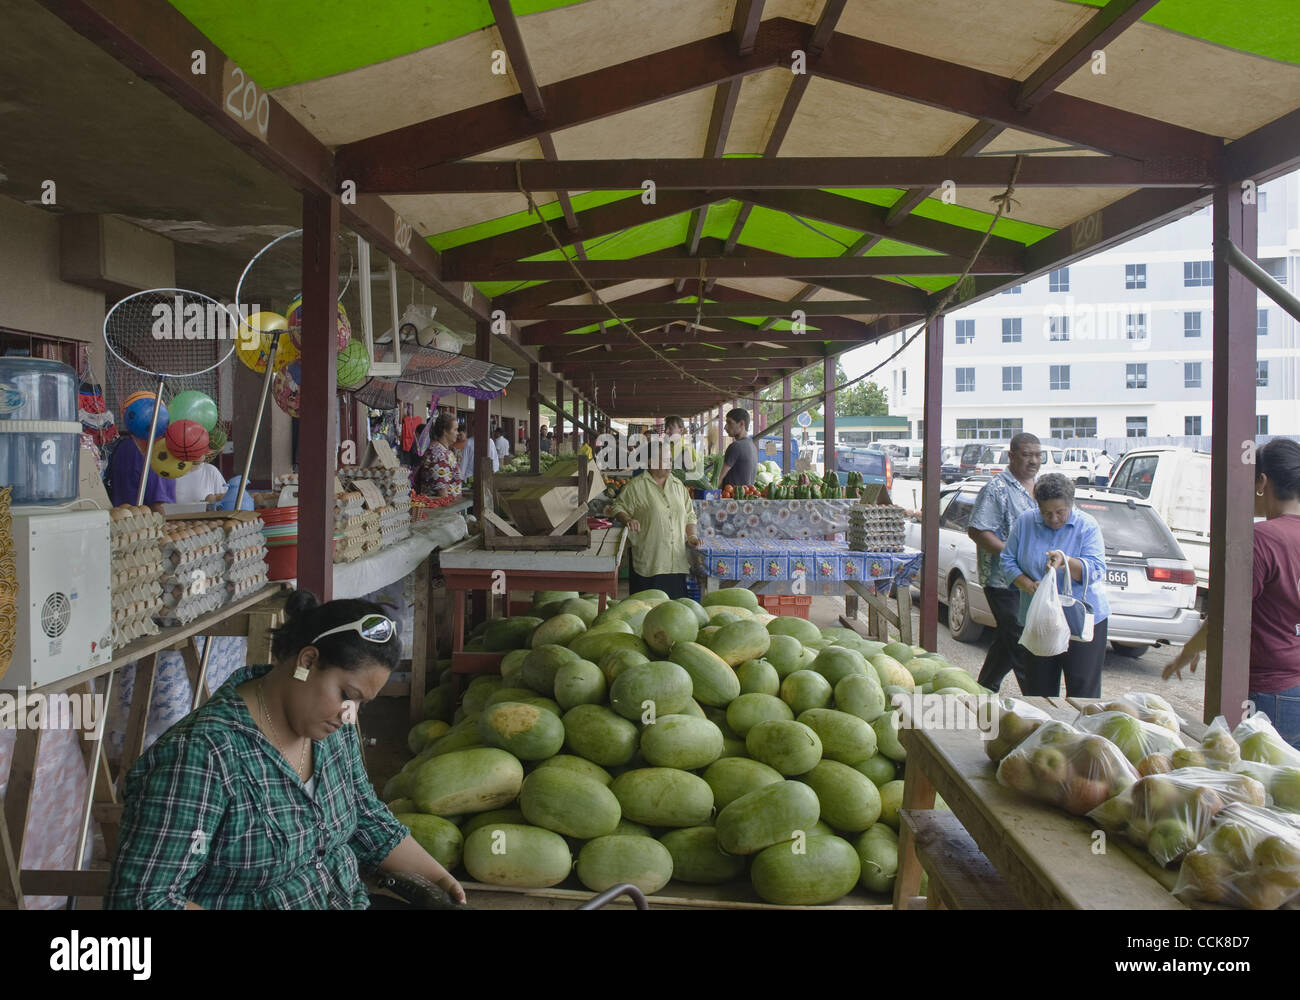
(961, 877)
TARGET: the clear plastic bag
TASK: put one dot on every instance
(1262, 743)
(1011, 723)
(1217, 751)
(1141, 705)
(1064, 767)
(1251, 858)
(1281, 780)
(1148, 747)
(1046, 631)
(1169, 814)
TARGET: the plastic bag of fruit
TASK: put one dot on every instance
(1169, 814)
(1010, 722)
(1262, 743)
(1251, 858)
(1141, 705)
(1147, 746)
(1281, 780)
(1217, 750)
(1065, 767)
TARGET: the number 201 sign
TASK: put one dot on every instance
(244, 100)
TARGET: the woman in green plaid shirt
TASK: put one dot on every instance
(259, 800)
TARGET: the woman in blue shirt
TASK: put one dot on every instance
(1050, 538)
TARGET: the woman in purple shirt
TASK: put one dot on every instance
(1052, 538)
(125, 467)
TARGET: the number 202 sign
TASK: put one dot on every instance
(244, 100)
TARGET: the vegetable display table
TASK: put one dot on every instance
(1044, 857)
(468, 566)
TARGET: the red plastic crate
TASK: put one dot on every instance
(789, 605)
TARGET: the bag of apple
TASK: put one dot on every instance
(1281, 780)
(1010, 724)
(1064, 767)
(1148, 747)
(1141, 705)
(1262, 743)
(1251, 858)
(1169, 814)
(1217, 751)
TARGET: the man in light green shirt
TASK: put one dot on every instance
(657, 509)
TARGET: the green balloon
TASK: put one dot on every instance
(196, 406)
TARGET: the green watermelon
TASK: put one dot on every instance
(523, 857)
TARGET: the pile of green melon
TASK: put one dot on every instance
(662, 740)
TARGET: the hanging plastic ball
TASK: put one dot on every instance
(255, 339)
(194, 405)
(138, 417)
(167, 466)
(217, 439)
(353, 365)
(286, 389)
(186, 440)
(343, 328)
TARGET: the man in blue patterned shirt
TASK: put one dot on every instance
(998, 505)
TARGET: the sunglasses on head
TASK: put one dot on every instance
(372, 628)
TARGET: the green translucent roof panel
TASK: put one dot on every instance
(522, 220)
(281, 42)
(1269, 28)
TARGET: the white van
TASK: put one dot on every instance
(1078, 463)
(1177, 482)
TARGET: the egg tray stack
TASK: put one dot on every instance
(877, 528)
(194, 580)
(289, 479)
(356, 530)
(135, 539)
(245, 558)
(394, 524)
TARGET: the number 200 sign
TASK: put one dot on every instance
(245, 101)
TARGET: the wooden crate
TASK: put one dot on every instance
(549, 499)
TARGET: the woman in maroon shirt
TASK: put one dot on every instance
(1275, 593)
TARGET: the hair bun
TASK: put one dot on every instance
(299, 602)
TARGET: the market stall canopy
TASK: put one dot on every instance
(713, 149)
(441, 371)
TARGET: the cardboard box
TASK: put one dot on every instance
(537, 510)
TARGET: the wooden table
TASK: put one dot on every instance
(1044, 855)
(253, 616)
(467, 566)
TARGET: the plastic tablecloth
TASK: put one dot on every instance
(801, 519)
(792, 566)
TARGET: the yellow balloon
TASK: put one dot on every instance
(255, 339)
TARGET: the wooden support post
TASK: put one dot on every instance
(534, 418)
(828, 412)
(559, 415)
(918, 793)
(483, 352)
(317, 446)
(137, 722)
(930, 484)
(17, 806)
(1232, 480)
(424, 642)
(787, 436)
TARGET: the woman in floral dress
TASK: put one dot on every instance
(439, 471)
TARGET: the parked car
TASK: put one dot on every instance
(873, 463)
(969, 462)
(995, 459)
(1151, 585)
(907, 457)
(1176, 481)
(950, 464)
(1077, 463)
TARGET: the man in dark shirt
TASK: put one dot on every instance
(740, 462)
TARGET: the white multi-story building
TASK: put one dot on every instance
(1117, 345)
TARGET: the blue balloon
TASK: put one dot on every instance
(295, 371)
(232, 490)
(139, 415)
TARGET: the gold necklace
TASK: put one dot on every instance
(275, 736)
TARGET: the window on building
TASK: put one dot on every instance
(1191, 374)
(988, 430)
(1191, 324)
(1192, 426)
(1011, 379)
(1073, 427)
(1261, 424)
(1011, 291)
(965, 331)
(1059, 377)
(965, 379)
(1058, 328)
(1135, 376)
(904, 381)
(1261, 373)
(1261, 200)
(1276, 266)
(1059, 280)
(1135, 326)
(1198, 273)
(1135, 427)
(1135, 276)
(1261, 323)
(1011, 333)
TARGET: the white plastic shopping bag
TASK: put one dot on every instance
(1046, 630)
